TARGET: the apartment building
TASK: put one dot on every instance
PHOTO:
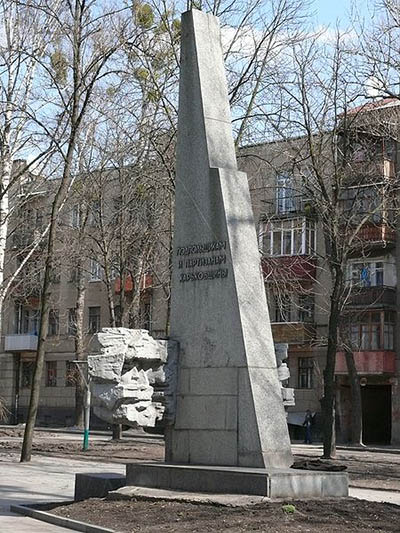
(297, 281)
(297, 277)
(102, 282)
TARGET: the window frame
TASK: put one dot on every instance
(51, 374)
(54, 323)
(305, 376)
(295, 231)
(92, 317)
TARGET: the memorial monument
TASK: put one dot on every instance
(230, 432)
(229, 405)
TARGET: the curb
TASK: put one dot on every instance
(58, 520)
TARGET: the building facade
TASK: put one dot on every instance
(295, 265)
(142, 288)
(297, 275)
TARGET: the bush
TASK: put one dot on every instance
(288, 508)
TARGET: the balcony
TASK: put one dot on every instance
(146, 283)
(372, 236)
(300, 267)
(288, 397)
(373, 169)
(374, 362)
(372, 297)
(379, 233)
(293, 332)
(20, 342)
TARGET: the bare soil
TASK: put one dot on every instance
(312, 516)
(367, 469)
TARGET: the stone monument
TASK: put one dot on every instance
(229, 406)
(230, 432)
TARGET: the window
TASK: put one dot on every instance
(51, 373)
(72, 321)
(285, 194)
(94, 213)
(283, 308)
(366, 274)
(361, 202)
(53, 322)
(26, 320)
(71, 374)
(95, 270)
(306, 372)
(296, 236)
(146, 316)
(27, 368)
(94, 319)
(306, 308)
(372, 331)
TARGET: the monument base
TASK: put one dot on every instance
(271, 482)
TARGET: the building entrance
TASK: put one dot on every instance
(376, 413)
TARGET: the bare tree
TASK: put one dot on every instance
(74, 70)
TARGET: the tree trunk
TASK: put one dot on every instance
(356, 404)
(79, 346)
(328, 401)
(26, 451)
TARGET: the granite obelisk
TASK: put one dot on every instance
(229, 406)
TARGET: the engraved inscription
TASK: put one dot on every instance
(202, 260)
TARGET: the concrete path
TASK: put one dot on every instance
(44, 479)
(371, 495)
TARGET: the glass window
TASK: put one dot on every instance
(94, 319)
(95, 270)
(51, 373)
(146, 316)
(72, 321)
(285, 194)
(367, 274)
(379, 274)
(277, 245)
(370, 333)
(53, 322)
(375, 343)
(26, 320)
(355, 336)
(27, 369)
(71, 374)
(306, 308)
(388, 336)
(283, 308)
(292, 237)
(287, 243)
(306, 372)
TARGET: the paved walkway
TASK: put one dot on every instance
(42, 480)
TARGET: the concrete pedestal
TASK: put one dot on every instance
(269, 482)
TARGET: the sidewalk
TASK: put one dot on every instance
(376, 448)
(42, 480)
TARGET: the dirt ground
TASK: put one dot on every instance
(366, 469)
(313, 516)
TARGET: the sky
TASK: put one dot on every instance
(328, 11)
